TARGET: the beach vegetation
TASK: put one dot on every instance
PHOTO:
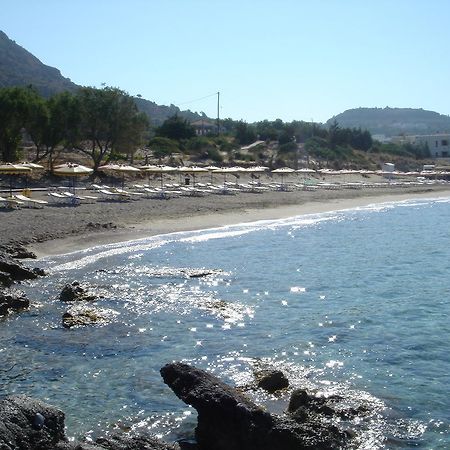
(244, 133)
(17, 105)
(162, 147)
(109, 118)
(176, 128)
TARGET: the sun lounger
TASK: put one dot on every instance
(110, 195)
(61, 199)
(31, 202)
(10, 203)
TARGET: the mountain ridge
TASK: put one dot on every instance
(19, 67)
(393, 121)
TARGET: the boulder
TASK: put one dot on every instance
(142, 442)
(26, 423)
(271, 380)
(228, 420)
(12, 300)
(74, 291)
(16, 270)
(5, 279)
(29, 424)
(17, 251)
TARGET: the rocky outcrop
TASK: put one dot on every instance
(29, 424)
(12, 300)
(17, 251)
(26, 423)
(228, 420)
(16, 270)
(74, 291)
(271, 380)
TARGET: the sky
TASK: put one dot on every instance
(288, 59)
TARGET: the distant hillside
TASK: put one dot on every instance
(18, 67)
(393, 121)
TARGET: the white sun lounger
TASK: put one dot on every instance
(10, 203)
(31, 202)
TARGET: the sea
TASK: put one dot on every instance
(353, 302)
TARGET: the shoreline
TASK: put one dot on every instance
(214, 219)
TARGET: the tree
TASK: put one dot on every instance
(176, 128)
(16, 104)
(63, 126)
(109, 118)
(245, 133)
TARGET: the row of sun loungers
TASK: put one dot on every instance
(140, 191)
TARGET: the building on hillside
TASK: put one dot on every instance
(203, 127)
(438, 144)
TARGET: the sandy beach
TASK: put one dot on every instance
(61, 229)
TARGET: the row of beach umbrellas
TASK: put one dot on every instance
(77, 170)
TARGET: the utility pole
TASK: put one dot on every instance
(218, 113)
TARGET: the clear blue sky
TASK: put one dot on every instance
(287, 59)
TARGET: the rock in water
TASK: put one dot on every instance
(18, 422)
(12, 300)
(271, 380)
(16, 270)
(29, 424)
(227, 420)
(75, 292)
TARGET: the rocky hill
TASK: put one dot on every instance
(18, 67)
(393, 121)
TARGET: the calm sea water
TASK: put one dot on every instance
(354, 302)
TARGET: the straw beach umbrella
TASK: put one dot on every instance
(121, 169)
(72, 171)
(283, 171)
(227, 171)
(11, 170)
(161, 170)
(193, 170)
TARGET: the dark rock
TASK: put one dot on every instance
(16, 270)
(5, 279)
(75, 292)
(227, 420)
(302, 404)
(124, 442)
(12, 299)
(17, 251)
(271, 380)
(29, 424)
(39, 272)
(18, 424)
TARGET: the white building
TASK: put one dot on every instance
(438, 144)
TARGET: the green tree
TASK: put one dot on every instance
(176, 128)
(109, 117)
(162, 147)
(16, 105)
(245, 133)
(62, 129)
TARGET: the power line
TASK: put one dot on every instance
(196, 99)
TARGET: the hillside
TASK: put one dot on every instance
(393, 121)
(18, 67)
